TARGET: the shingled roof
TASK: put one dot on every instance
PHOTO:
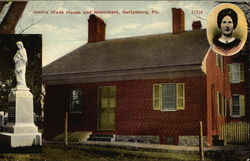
(142, 54)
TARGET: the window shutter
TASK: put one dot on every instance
(226, 106)
(242, 105)
(241, 72)
(218, 102)
(230, 106)
(217, 60)
(180, 97)
(229, 72)
(222, 106)
(157, 95)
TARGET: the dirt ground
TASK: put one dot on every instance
(57, 152)
(91, 153)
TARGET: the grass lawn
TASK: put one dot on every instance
(91, 153)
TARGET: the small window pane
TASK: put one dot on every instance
(112, 102)
(104, 102)
(104, 92)
(112, 92)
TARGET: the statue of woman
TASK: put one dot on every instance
(20, 60)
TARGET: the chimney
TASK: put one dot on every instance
(196, 25)
(96, 29)
(178, 18)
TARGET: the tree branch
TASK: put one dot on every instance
(32, 24)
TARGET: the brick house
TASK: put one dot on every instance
(153, 88)
(239, 82)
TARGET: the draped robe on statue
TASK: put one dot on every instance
(20, 60)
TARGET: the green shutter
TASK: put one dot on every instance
(242, 105)
(180, 96)
(222, 106)
(231, 106)
(157, 96)
(226, 106)
(218, 102)
(229, 72)
(217, 60)
(241, 72)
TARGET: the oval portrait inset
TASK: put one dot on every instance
(227, 29)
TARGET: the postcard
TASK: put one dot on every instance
(135, 74)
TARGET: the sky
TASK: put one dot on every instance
(63, 33)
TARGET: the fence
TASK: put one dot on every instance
(235, 133)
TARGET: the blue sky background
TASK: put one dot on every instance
(63, 33)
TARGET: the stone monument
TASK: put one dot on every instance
(20, 130)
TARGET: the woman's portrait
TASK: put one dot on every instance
(226, 37)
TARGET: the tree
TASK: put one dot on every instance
(12, 16)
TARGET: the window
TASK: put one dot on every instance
(169, 96)
(76, 101)
(238, 106)
(236, 72)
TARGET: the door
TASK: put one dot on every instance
(107, 108)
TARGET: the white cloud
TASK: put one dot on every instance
(55, 50)
(62, 33)
(58, 41)
(154, 28)
(122, 28)
(160, 6)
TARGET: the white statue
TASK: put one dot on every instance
(20, 60)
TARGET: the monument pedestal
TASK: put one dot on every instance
(20, 130)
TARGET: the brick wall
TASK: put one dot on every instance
(217, 80)
(134, 114)
(243, 87)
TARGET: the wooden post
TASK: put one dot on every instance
(201, 148)
(66, 131)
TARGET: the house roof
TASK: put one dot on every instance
(183, 51)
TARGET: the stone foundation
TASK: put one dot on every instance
(191, 140)
(138, 139)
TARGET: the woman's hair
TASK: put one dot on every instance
(227, 12)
